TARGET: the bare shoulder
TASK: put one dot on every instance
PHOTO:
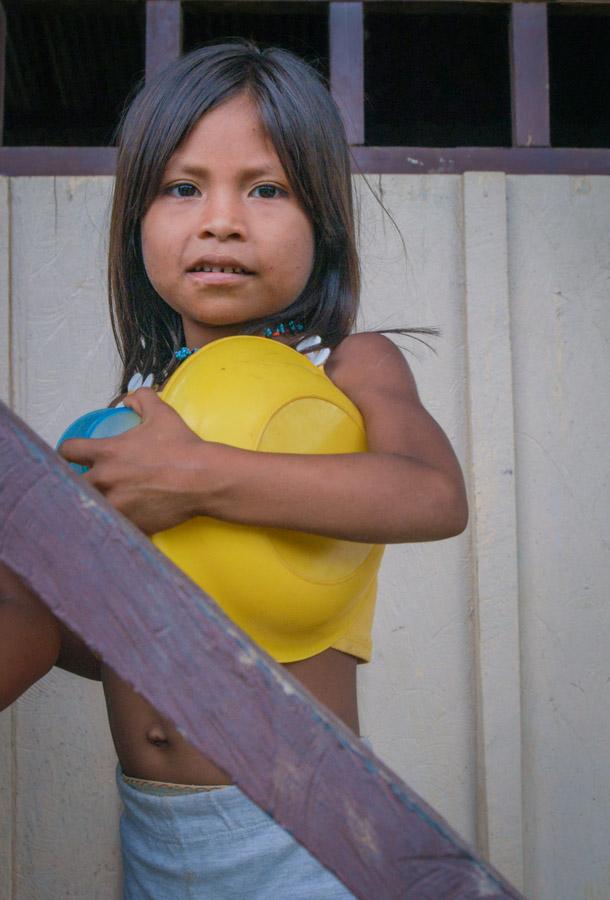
(374, 374)
(368, 363)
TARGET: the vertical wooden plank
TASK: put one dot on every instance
(5, 321)
(7, 793)
(6, 717)
(529, 61)
(2, 68)
(417, 698)
(346, 37)
(493, 512)
(61, 731)
(163, 34)
(560, 320)
(59, 280)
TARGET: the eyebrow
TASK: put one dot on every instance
(251, 172)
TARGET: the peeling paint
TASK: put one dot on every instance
(361, 829)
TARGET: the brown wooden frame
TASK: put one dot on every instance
(531, 152)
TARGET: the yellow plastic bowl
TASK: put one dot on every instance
(294, 593)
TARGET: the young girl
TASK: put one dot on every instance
(233, 215)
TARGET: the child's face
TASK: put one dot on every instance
(225, 203)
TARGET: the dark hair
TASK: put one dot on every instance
(306, 130)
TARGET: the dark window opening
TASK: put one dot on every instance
(70, 66)
(579, 62)
(299, 27)
(437, 75)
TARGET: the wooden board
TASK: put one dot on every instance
(159, 632)
(494, 522)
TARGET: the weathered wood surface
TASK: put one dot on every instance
(494, 523)
(175, 646)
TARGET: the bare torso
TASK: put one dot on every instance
(406, 447)
(149, 746)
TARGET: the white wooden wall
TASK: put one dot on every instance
(488, 691)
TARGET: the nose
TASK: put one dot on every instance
(222, 217)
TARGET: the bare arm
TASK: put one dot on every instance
(32, 641)
(408, 487)
(29, 638)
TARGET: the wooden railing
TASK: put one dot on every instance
(531, 151)
(161, 634)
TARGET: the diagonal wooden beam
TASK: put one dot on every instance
(160, 633)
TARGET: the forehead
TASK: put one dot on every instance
(232, 134)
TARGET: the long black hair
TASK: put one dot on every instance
(307, 133)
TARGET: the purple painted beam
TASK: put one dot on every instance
(529, 64)
(346, 42)
(57, 160)
(455, 160)
(160, 633)
(371, 160)
(163, 34)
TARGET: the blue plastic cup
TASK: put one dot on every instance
(101, 423)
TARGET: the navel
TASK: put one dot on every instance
(157, 736)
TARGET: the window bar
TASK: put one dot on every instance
(163, 34)
(2, 67)
(529, 61)
(346, 37)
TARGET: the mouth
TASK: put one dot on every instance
(227, 269)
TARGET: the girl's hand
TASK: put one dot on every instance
(145, 472)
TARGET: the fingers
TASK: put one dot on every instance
(144, 402)
(89, 451)
(83, 451)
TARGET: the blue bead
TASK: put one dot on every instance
(283, 327)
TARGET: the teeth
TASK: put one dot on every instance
(226, 269)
